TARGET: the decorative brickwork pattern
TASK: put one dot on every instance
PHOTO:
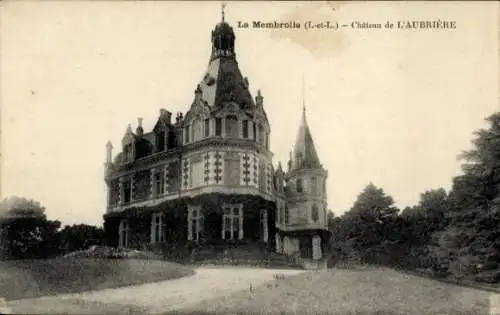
(206, 172)
(218, 167)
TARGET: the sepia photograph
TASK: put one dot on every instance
(250, 157)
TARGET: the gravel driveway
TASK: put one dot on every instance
(160, 296)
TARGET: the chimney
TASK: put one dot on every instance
(139, 130)
(166, 115)
(109, 151)
(259, 99)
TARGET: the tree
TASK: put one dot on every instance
(366, 227)
(25, 230)
(470, 246)
(420, 223)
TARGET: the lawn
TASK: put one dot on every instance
(335, 291)
(32, 278)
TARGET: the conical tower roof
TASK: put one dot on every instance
(304, 152)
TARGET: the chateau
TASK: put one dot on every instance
(204, 183)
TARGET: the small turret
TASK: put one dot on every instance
(223, 39)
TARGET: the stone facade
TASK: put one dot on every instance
(207, 179)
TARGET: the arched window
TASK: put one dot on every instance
(299, 185)
(315, 213)
(232, 130)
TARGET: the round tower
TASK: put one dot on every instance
(306, 198)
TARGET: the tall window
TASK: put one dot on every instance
(173, 177)
(245, 129)
(314, 184)
(232, 130)
(123, 231)
(263, 226)
(186, 135)
(278, 215)
(282, 215)
(315, 213)
(287, 215)
(218, 127)
(157, 230)
(207, 128)
(299, 185)
(232, 222)
(159, 183)
(195, 224)
(127, 191)
(254, 129)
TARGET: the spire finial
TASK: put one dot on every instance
(303, 99)
(222, 7)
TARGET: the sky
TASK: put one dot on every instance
(392, 107)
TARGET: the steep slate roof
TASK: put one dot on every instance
(224, 82)
(304, 153)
